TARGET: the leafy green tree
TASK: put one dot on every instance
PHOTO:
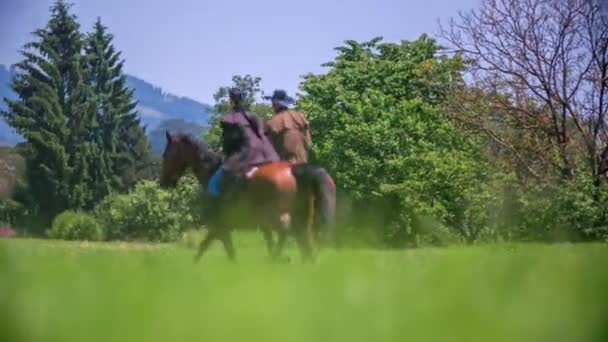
(559, 107)
(543, 121)
(377, 125)
(124, 154)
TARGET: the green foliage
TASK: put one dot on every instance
(12, 171)
(377, 125)
(381, 122)
(570, 211)
(151, 213)
(581, 209)
(124, 154)
(75, 225)
(52, 113)
(12, 183)
(11, 211)
(82, 138)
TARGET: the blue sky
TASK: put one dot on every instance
(192, 47)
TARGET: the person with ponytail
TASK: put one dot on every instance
(244, 145)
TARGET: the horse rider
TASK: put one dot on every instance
(288, 130)
(244, 146)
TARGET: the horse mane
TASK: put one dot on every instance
(199, 145)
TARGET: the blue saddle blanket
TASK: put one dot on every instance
(214, 186)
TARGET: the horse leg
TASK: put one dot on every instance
(284, 226)
(280, 245)
(226, 237)
(219, 231)
(211, 208)
(305, 246)
(304, 239)
(205, 244)
(305, 229)
(267, 232)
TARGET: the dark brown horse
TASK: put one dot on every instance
(286, 198)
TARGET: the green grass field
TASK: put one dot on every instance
(60, 291)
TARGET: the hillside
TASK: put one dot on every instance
(157, 136)
(154, 106)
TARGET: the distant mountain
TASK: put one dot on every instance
(154, 106)
(157, 136)
(7, 134)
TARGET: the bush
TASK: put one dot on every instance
(572, 210)
(582, 208)
(149, 212)
(75, 225)
(11, 211)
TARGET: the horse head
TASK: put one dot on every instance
(183, 152)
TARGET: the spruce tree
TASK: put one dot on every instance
(125, 151)
(54, 114)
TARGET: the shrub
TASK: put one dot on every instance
(149, 212)
(75, 225)
(579, 209)
(11, 210)
(572, 210)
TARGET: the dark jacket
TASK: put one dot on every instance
(244, 143)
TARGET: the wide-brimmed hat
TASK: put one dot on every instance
(281, 97)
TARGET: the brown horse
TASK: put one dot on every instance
(277, 196)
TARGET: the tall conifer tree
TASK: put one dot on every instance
(54, 113)
(125, 149)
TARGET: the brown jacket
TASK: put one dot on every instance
(289, 132)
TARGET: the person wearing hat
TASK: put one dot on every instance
(244, 145)
(288, 130)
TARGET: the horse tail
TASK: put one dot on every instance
(323, 189)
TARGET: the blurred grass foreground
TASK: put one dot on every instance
(75, 291)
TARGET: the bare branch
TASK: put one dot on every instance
(550, 54)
